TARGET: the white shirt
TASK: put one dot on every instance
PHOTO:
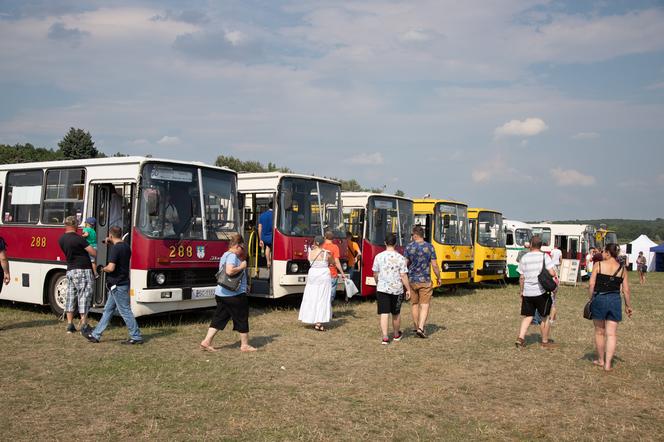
(556, 256)
(390, 264)
(530, 267)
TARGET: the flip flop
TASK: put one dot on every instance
(319, 327)
(420, 333)
(208, 348)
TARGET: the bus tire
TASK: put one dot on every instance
(57, 292)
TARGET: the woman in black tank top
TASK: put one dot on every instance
(607, 280)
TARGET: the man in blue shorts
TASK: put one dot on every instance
(265, 224)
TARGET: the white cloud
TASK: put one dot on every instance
(139, 142)
(497, 169)
(585, 136)
(481, 176)
(571, 177)
(169, 141)
(366, 159)
(234, 37)
(415, 35)
(526, 128)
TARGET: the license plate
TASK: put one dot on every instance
(202, 293)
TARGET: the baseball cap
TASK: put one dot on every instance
(91, 220)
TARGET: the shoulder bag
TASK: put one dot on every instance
(545, 279)
(229, 282)
(587, 312)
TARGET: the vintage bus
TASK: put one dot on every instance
(445, 224)
(516, 234)
(486, 229)
(604, 236)
(370, 217)
(304, 206)
(176, 215)
(573, 240)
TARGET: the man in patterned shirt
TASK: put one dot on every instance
(391, 274)
(421, 258)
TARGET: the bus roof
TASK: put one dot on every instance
(269, 181)
(566, 229)
(512, 223)
(361, 198)
(476, 210)
(87, 162)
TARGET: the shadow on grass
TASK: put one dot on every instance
(432, 329)
(30, 324)
(256, 341)
(592, 355)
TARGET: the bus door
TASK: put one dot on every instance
(259, 273)
(424, 220)
(112, 206)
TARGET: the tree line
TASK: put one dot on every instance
(76, 144)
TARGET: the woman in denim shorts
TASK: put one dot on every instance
(607, 281)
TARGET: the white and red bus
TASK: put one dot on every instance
(573, 240)
(370, 217)
(177, 216)
(304, 206)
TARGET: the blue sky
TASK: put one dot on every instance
(541, 109)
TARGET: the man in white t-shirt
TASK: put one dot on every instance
(533, 296)
(556, 257)
(391, 273)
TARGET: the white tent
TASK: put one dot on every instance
(643, 244)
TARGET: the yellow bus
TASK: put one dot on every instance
(486, 229)
(445, 226)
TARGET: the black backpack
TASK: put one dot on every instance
(545, 279)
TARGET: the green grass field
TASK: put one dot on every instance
(467, 381)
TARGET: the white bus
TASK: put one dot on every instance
(516, 234)
(573, 240)
(304, 206)
(174, 259)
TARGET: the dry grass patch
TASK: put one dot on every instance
(466, 381)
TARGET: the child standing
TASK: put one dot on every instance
(90, 235)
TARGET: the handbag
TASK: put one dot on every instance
(587, 312)
(545, 279)
(229, 282)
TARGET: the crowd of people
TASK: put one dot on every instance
(398, 277)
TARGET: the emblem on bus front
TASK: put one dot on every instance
(200, 252)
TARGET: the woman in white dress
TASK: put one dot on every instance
(315, 308)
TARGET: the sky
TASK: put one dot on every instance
(544, 110)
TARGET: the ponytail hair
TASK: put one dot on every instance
(612, 249)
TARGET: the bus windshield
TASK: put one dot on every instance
(389, 215)
(308, 207)
(522, 235)
(490, 231)
(544, 233)
(170, 202)
(452, 225)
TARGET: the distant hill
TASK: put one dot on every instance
(627, 229)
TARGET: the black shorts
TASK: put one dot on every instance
(232, 307)
(541, 303)
(388, 303)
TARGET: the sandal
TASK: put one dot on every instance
(419, 332)
(319, 327)
(520, 343)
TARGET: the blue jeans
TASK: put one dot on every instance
(118, 298)
(333, 295)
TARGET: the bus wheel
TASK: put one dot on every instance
(57, 293)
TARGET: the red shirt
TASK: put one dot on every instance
(334, 251)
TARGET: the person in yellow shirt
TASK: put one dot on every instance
(353, 255)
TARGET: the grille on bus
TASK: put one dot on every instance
(183, 278)
(456, 266)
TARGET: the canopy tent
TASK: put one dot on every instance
(642, 244)
(659, 258)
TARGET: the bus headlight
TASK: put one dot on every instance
(294, 267)
(472, 264)
(446, 266)
(160, 278)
